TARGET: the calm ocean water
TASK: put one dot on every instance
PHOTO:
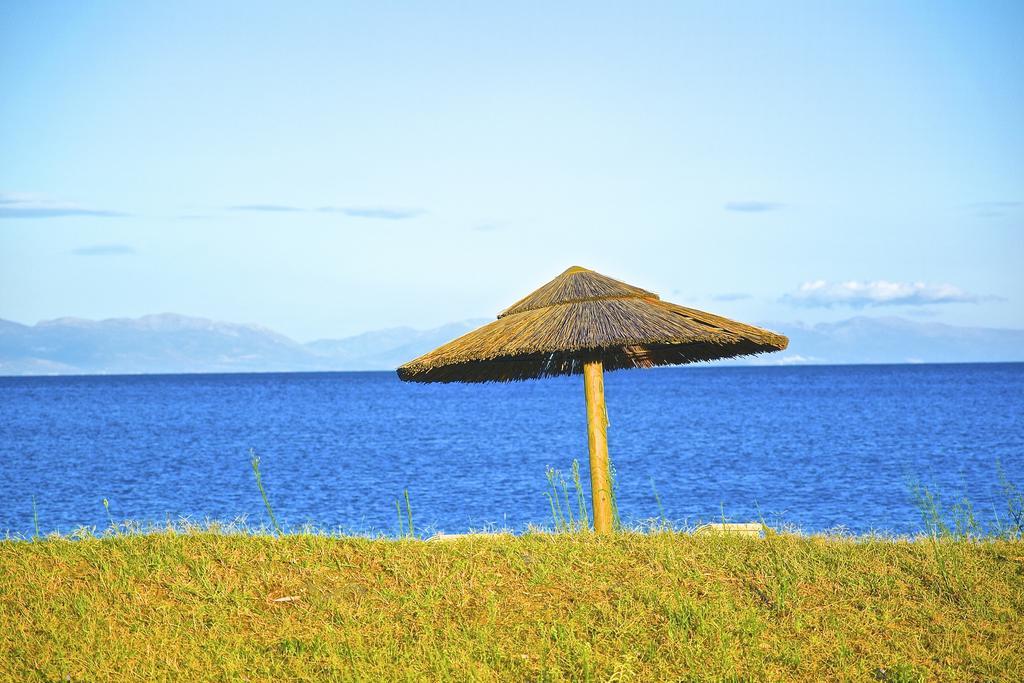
(816, 447)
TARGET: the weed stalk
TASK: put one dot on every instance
(263, 492)
(35, 518)
(408, 509)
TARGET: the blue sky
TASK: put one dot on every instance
(333, 168)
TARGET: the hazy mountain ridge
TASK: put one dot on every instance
(866, 339)
(170, 343)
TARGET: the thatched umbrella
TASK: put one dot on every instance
(585, 322)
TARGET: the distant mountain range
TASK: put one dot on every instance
(866, 339)
(169, 343)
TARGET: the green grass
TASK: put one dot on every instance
(206, 604)
(233, 603)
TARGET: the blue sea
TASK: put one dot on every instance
(818, 448)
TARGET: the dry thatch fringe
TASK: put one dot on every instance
(582, 316)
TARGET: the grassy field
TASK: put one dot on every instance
(654, 606)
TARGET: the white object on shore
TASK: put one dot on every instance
(441, 536)
(748, 529)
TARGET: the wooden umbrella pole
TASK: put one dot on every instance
(597, 433)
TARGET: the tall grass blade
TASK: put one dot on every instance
(581, 500)
(568, 507)
(408, 509)
(263, 492)
(557, 514)
(35, 518)
(1014, 528)
(613, 484)
(661, 510)
(106, 506)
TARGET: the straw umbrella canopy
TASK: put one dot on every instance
(583, 322)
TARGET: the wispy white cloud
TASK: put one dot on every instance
(380, 212)
(824, 294)
(35, 206)
(268, 208)
(388, 213)
(104, 250)
(752, 206)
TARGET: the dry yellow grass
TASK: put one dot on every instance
(648, 607)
